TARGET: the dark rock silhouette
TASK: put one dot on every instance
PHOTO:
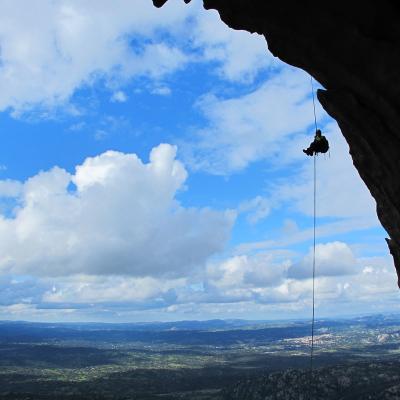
(353, 49)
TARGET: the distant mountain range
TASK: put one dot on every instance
(216, 332)
(213, 332)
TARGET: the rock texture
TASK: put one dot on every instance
(356, 381)
(353, 49)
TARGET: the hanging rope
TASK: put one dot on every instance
(313, 101)
(314, 242)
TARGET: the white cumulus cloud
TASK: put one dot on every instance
(332, 259)
(121, 218)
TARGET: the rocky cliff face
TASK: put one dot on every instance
(353, 49)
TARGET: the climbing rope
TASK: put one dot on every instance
(313, 101)
(314, 242)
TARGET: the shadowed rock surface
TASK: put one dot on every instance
(353, 50)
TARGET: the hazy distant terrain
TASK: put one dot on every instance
(199, 360)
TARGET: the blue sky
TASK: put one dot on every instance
(151, 169)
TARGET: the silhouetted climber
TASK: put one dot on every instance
(319, 145)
